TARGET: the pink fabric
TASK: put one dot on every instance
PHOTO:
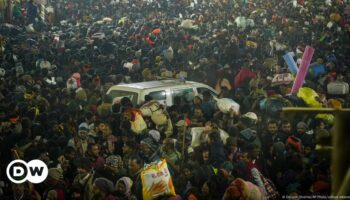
(242, 75)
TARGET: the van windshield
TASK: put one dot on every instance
(119, 94)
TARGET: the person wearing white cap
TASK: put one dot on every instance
(252, 116)
(150, 148)
(80, 142)
(123, 188)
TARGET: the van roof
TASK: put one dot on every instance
(157, 84)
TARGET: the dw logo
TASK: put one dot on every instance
(35, 171)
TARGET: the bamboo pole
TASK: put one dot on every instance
(344, 190)
(313, 110)
(340, 154)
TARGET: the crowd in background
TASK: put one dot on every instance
(234, 46)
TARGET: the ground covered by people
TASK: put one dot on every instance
(55, 73)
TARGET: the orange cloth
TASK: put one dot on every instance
(156, 31)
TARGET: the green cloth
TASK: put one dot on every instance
(17, 12)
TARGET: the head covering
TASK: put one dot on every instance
(323, 133)
(55, 174)
(252, 116)
(240, 189)
(278, 148)
(294, 142)
(155, 135)
(127, 182)
(83, 127)
(181, 123)
(302, 125)
(150, 142)
(104, 185)
(114, 161)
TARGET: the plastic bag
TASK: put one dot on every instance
(338, 88)
(157, 181)
(187, 24)
(292, 66)
(149, 108)
(328, 118)
(317, 69)
(251, 44)
(309, 96)
(168, 54)
(241, 22)
(156, 111)
(139, 124)
(122, 20)
(225, 104)
(30, 28)
(269, 63)
(128, 66)
(196, 134)
(159, 118)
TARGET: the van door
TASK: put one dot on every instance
(182, 96)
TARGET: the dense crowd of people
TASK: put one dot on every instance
(57, 64)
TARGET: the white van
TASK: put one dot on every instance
(163, 91)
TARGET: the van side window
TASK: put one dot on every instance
(158, 95)
(201, 90)
(117, 95)
(184, 95)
